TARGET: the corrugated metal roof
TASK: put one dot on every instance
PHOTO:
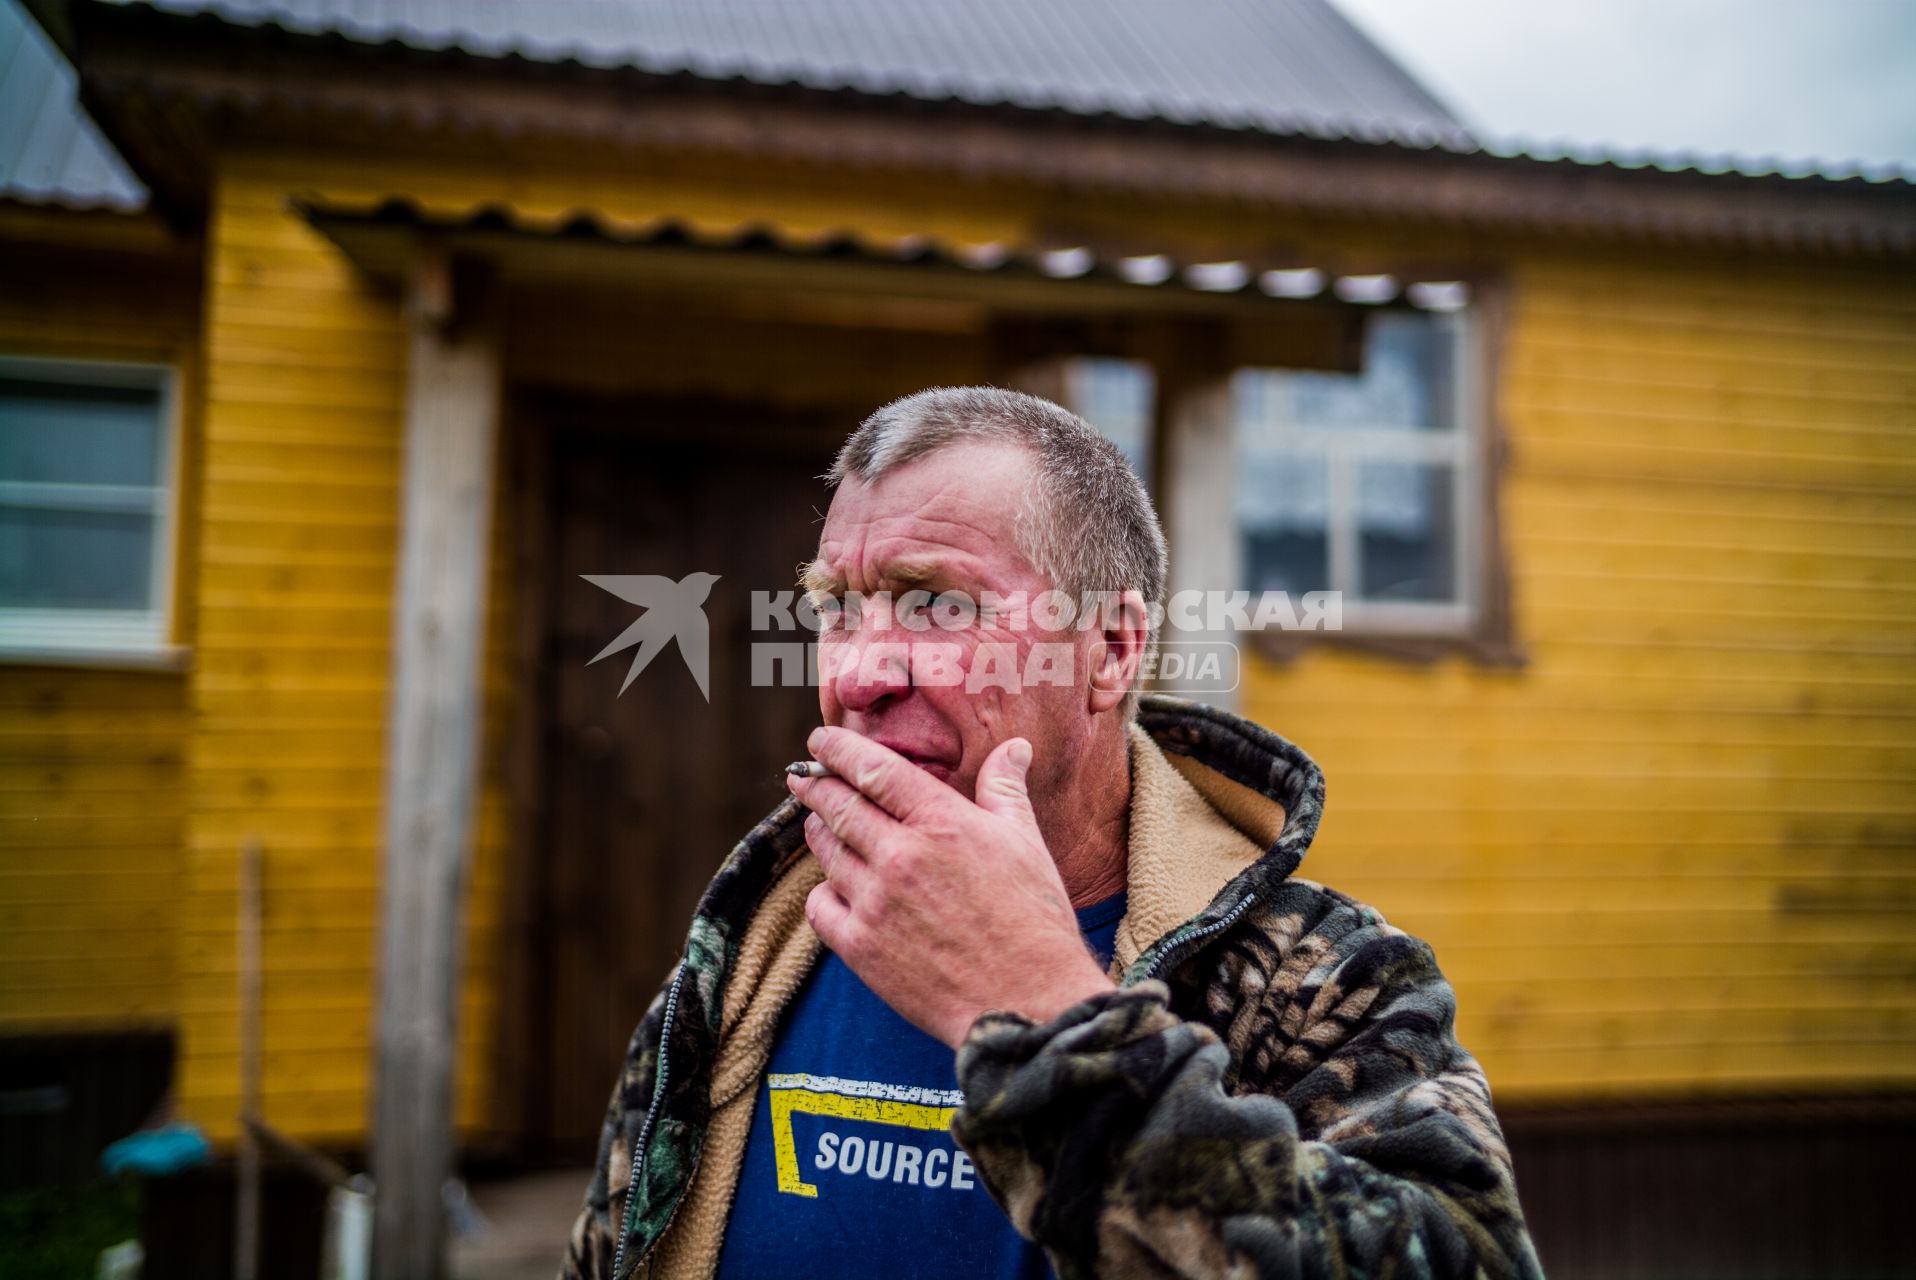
(1276, 66)
(50, 151)
(1134, 275)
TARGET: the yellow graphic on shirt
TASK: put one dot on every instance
(905, 1106)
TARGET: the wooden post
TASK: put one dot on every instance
(452, 417)
(1048, 378)
(1196, 466)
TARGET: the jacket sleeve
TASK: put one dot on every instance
(595, 1232)
(1320, 1121)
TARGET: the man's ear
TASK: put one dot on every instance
(1116, 653)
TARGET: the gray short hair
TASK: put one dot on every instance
(1086, 522)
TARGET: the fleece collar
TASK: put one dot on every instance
(1220, 808)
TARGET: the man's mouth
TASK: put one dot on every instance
(931, 764)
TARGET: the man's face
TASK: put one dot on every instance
(945, 524)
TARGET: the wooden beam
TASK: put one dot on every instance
(1280, 335)
(434, 721)
(1196, 466)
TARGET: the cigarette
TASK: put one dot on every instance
(808, 769)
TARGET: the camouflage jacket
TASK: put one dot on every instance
(1274, 1090)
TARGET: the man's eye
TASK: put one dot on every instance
(830, 610)
(952, 609)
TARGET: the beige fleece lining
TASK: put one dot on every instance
(1250, 811)
(1182, 850)
(777, 952)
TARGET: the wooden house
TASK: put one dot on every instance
(338, 341)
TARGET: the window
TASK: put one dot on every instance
(1363, 483)
(1117, 397)
(86, 508)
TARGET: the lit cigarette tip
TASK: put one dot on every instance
(808, 769)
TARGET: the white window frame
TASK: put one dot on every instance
(1461, 447)
(108, 637)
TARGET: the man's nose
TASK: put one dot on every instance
(867, 668)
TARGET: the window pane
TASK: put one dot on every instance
(1405, 384)
(1283, 509)
(1115, 396)
(1406, 532)
(75, 559)
(58, 434)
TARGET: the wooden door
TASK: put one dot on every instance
(644, 793)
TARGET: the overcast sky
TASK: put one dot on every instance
(1830, 81)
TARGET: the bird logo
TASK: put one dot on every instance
(673, 611)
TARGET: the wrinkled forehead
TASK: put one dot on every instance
(979, 485)
(963, 502)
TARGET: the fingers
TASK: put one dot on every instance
(830, 917)
(897, 785)
(1002, 787)
(850, 816)
(843, 867)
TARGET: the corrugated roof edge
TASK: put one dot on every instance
(1518, 153)
(1145, 271)
(68, 202)
(1709, 164)
(1515, 151)
(835, 81)
(52, 155)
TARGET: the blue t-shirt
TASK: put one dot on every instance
(850, 1169)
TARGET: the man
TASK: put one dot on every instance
(1172, 1057)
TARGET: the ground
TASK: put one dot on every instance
(528, 1219)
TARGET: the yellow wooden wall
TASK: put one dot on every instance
(305, 379)
(91, 760)
(1671, 853)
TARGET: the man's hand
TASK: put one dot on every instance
(946, 909)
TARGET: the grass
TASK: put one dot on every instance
(49, 1233)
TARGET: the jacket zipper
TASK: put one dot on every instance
(1196, 940)
(629, 1212)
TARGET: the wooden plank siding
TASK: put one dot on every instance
(1672, 852)
(92, 795)
(301, 447)
(306, 382)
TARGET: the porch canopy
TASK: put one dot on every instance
(1038, 302)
